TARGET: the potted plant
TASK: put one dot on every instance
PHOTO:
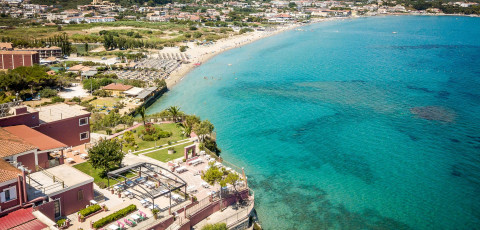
(171, 150)
(155, 213)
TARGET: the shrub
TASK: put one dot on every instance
(61, 222)
(163, 134)
(118, 130)
(108, 131)
(148, 137)
(183, 48)
(76, 99)
(217, 226)
(57, 99)
(114, 216)
(244, 30)
(48, 93)
(102, 93)
(89, 210)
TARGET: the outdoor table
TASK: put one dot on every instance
(113, 227)
(135, 217)
(175, 197)
(191, 188)
(205, 185)
(83, 155)
(93, 202)
(151, 207)
(70, 159)
(126, 193)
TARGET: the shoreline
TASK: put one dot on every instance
(202, 54)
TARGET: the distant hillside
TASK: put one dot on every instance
(69, 4)
(64, 4)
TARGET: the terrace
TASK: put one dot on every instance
(49, 182)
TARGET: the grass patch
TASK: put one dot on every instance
(176, 136)
(87, 168)
(106, 101)
(162, 155)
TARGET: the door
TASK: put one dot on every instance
(57, 208)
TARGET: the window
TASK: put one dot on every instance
(83, 136)
(80, 194)
(8, 194)
(83, 121)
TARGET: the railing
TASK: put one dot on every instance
(237, 217)
(203, 203)
(55, 179)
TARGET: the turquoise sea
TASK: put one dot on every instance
(346, 125)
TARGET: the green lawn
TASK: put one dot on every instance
(176, 136)
(88, 169)
(105, 101)
(162, 155)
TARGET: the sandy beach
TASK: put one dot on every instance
(201, 53)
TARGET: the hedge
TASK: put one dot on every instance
(89, 210)
(115, 216)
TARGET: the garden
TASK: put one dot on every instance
(162, 155)
(151, 135)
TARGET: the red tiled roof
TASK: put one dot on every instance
(21, 219)
(7, 171)
(35, 138)
(117, 86)
(11, 144)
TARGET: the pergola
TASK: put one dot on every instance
(153, 172)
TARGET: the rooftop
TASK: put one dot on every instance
(42, 182)
(11, 144)
(35, 138)
(61, 111)
(8, 171)
(145, 93)
(18, 52)
(117, 86)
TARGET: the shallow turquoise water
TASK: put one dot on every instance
(322, 121)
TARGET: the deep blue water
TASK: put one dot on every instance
(347, 125)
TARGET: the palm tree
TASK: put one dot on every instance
(141, 111)
(174, 111)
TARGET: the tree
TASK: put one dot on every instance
(232, 178)
(213, 175)
(189, 122)
(174, 111)
(106, 155)
(86, 47)
(141, 111)
(292, 5)
(203, 128)
(128, 138)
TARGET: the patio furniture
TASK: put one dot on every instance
(128, 222)
(93, 202)
(205, 185)
(136, 217)
(113, 227)
(181, 169)
(144, 203)
(70, 160)
(129, 183)
(151, 207)
(191, 188)
(176, 197)
(84, 156)
(150, 184)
